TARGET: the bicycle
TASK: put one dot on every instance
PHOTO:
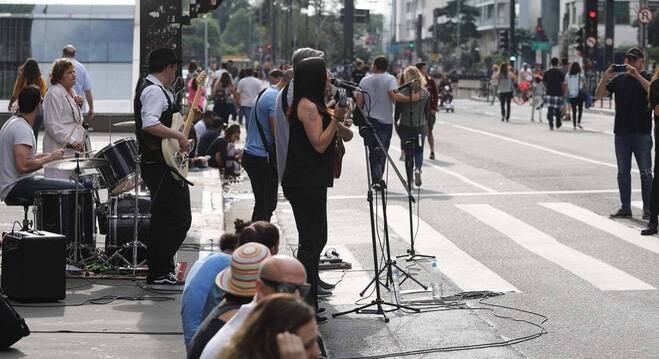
(522, 93)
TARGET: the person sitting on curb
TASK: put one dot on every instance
(278, 274)
(238, 282)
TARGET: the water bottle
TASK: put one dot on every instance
(395, 285)
(436, 280)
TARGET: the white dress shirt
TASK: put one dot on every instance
(63, 123)
(221, 339)
(154, 102)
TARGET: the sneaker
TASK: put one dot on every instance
(417, 178)
(432, 155)
(322, 293)
(167, 279)
(621, 213)
(579, 125)
(325, 285)
(321, 319)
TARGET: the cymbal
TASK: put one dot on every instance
(124, 124)
(69, 164)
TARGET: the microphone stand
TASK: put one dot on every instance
(378, 302)
(409, 167)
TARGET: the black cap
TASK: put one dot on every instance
(162, 57)
(635, 52)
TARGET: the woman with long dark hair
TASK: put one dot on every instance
(653, 96)
(223, 97)
(310, 163)
(575, 94)
(29, 74)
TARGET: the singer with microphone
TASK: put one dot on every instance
(63, 119)
(377, 101)
(411, 121)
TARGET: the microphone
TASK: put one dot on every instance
(346, 85)
(405, 85)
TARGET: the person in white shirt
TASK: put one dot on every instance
(63, 121)
(278, 274)
(247, 91)
(83, 83)
(575, 95)
(18, 158)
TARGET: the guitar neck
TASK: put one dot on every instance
(188, 121)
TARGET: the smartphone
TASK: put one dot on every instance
(619, 68)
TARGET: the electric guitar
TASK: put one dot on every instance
(174, 157)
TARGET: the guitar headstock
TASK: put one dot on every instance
(201, 77)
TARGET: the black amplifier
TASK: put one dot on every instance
(34, 266)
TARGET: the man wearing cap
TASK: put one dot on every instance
(632, 126)
(278, 274)
(83, 80)
(239, 284)
(154, 107)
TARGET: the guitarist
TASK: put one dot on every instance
(154, 106)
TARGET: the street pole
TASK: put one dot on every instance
(609, 28)
(273, 32)
(205, 41)
(457, 10)
(643, 30)
(348, 28)
(511, 40)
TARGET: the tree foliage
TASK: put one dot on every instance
(447, 30)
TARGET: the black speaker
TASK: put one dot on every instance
(34, 266)
(12, 326)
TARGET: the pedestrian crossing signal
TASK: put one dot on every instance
(410, 45)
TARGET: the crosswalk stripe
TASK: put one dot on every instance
(466, 272)
(599, 274)
(601, 223)
(350, 283)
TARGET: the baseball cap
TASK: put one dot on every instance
(635, 52)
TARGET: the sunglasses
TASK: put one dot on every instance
(285, 287)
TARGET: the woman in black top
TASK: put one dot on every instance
(310, 163)
(654, 199)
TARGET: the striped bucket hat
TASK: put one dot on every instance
(240, 277)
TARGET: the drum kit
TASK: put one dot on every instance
(123, 218)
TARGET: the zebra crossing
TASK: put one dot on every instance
(469, 274)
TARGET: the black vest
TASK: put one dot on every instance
(150, 146)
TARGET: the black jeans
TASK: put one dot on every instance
(654, 196)
(310, 212)
(263, 177)
(170, 217)
(505, 98)
(27, 187)
(577, 105)
(551, 113)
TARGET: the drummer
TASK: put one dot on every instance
(18, 158)
(62, 116)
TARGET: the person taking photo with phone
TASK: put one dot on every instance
(632, 126)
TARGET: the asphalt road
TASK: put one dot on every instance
(507, 207)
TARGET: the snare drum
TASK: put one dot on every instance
(55, 211)
(119, 175)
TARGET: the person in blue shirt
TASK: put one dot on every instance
(259, 156)
(198, 284)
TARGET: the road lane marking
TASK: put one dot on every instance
(601, 275)
(466, 272)
(538, 147)
(349, 283)
(454, 174)
(604, 224)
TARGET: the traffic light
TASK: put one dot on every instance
(590, 22)
(410, 44)
(504, 40)
(207, 5)
(540, 32)
(579, 40)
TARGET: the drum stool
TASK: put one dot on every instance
(26, 203)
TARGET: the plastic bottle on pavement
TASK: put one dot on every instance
(436, 280)
(395, 285)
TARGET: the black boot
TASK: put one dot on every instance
(652, 227)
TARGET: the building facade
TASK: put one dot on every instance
(102, 31)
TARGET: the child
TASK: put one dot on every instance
(227, 153)
(538, 97)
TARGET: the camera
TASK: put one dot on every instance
(341, 97)
(619, 68)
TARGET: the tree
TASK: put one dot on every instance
(448, 29)
(193, 39)
(226, 10)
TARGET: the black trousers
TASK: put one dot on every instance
(170, 217)
(654, 196)
(554, 112)
(310, 212)
(505, 98)
(577, 106)
(263, 177)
